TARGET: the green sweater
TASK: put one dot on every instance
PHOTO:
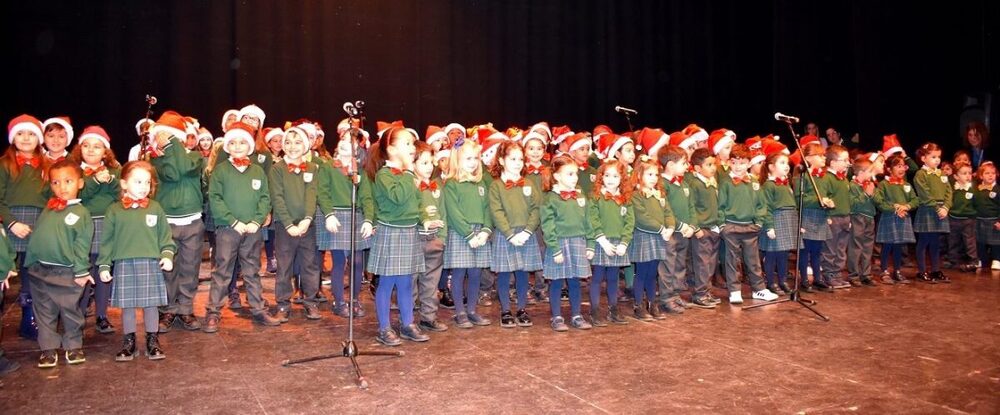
(135, 233)
(334, 192)
(987, 203)
(741, 203)
(536, 179)
(564, 219)
(861, 203)
(396, 198)
(96, 196)
(179, 174)
(706, 202)
(586, 179)
(467, 205)
(28, 189)
(432, 207)
(933, 189)
(886, 195)
(238, 197)
(7, 256)
(962, 204)
(293, 196)
(516, 207)
(611, 220)
(652, 213)
(62, 238)
(681, 203)
(809, 200)
(840, 192)
(775, 198)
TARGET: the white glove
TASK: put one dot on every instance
(666, 233)
(304, 224)
(240, 228)
(621, 249)
(607, 246)
(367, 230)
(332, 224)
(688, 231)
(105, 276)
(294, 231)
(483, 237)
(474, 242)
(519, 238)
(558, 259)
(771, 234)
(167, 264)
(252, 228)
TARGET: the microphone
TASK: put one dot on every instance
(624, 110)
(786, 118)
(350, 109)
(151, 100)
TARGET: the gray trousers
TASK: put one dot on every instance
(182, 281)
(55, 299)
(741, 244)
(834, 255)
(962, 239)
(425, 284)
(860, 248)
(231, 247)
(672, 271)
(291, 250)
(704, 261)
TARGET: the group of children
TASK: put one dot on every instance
(664, 210)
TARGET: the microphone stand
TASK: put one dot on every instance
(144, 132)
(348, 348)
(794, 296)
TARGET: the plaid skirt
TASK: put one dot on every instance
(138, 283)
(340, 241)
(785, 232)
(602, 259)
(95, 244)
(926, 220)
(646, 247)
(986, 233)
(575, 264)
(509, 258)
(893, 229)
(814, 222)
(458, 254)
(26, 215)
(396, 251)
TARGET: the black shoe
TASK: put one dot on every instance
(703, 302)
(539, 296)
(320, 298)
(479, 320)
(433, 325)
(615, 316)
(297, 297)
(939, 276)
(822, 287)
(854, 282)
(564, 295)
(596, 320)
(127, 353)
(153, 350)
(235, 303)
(75, 356)
(522, 319)
(899, 278)
(265, 319)
(104, 326)
(166, 320)
(211, 323)
(670, 307)
(47, 359)
(968, 268)
(654, 310)
(388, 337)
(446, 299)
(359, 311)
(507, 320)
(462, 321)
(342, 310)
(784, 288)
(413, 333)
(641, 314)
(7, 366)
(925, 277)
(190, 322)
(282, 314)
(312, 312)
(486, 299)
(806, 288)
(868, 281)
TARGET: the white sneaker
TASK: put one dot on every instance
(765, 295)
(809, 270)
(736, 297)
(979, 264)
(995, 266)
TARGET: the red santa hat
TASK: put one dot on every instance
(719, 139)
(609, 144)
(650, 140)
(62, 121)
(382, 126)
(601, 130)
(682, 140)
(239, 131)
(754, 143)
(191, 126)
(696, 133)
(442, 154)
(98, 133)
(560, 134)
(490, 145)
(271, 133)
(455, 126)
(578, 140)
(808, 138)
(203, 133)
(757, 157)
(252, 110)
(514, 133)
(772, 137)
(435, 134)
(24, 122)
(170, 122)
(542, 127)
(890, 146)
(226, 115)
(769, 147)
(534, 135)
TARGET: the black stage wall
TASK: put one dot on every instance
(866, 66)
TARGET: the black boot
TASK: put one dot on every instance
(447, 301)
(28, 329)
(153, 350)
(128, 349)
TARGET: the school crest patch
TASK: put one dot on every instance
(624, 210)
(307, 177)
(687, 192)
(526, 190)
(755, 185)
(593, 178)
(261, 158)
(151, 220)
(255, 184)
(436, 194)
(907, 188)
(71, 219)
(482, 191)
(968, 195)
(944, 179)
(582, 201)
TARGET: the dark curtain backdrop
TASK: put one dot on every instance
(863, 66)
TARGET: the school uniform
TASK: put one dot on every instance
(586, 178)
(933, 192)
(134, 241)
(893, 231)
(782, 218)
(565, 228)
(8, 263)
(513, 208)
(334, 198)
(962, 223)
(59, 252)
(611, 217)
(834, 254)
(861, 246)
(648, 249)
(293, 199)
(468, 215)
(814, 217)
(743, 210)
(705, 250)
(237, 194)
(179, 193)
(432, 207)
(96, 197)
(672, 272)
(21, 201)
(987, 211)
(533, 174)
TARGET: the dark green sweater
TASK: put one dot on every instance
(809, 200)
(652, 213)
(28, 189)
(179, 175)
(861, 203)
(516, 207)
(933, 189)
(467, 205)
(238, 197)
(334, 192)
(681, 203)
(135, 233)
(62, 238)
(432, 207)
(840, 192)
(741, 203)
(962, 203)
(611, 220)
(396, 198)
(7, 256)
(987, 202)
(586, 179)
(293, 196)
(706, 202)
(564, 219)
(775, 198)
(886, 195)
(96, 196)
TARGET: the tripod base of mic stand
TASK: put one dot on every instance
(350, 351)
(792, 297)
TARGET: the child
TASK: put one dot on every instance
(934, 196)
(834, 255)
(565, 226)
(987, 210)
(433, 232)
(514, 205)
(673, 271)
(895, 198)
(535, 162)
(612, 222)
(240, 201)
(469, 229)
(293, 198)
(24, 191)
(778, 233)
(815, 227)
(58, 260)
(57, 135)
(100, 189)
(705, 246)
(334, 196)
(396, 252)
(8, 269)
(721, 143)
(578, 147)
(743, 210)
(962, 220)
(654, 226)
(860, 248)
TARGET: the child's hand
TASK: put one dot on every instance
(474, 242)
(267, 220)
(332, 224)
(20, 230)
(103, 176)
(942, 212)
(304, 224)
(558, 258)
(166, 264)
(367, 230)
(828, 203)
(105, 276)
(829, 221)
(607, 246)
(294, 231)
(240, 228)
(699, 234)
(590, 255)
(5, 284)
(667, 233)
(996, 225)
(82, 281)
(621, 249)
(771, 234)
(802, 230)
(252, 228)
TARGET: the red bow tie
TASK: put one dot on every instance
(32, 161)
(510, 183)
(781, 182)
(818, 173)
(56, 204)
(738, 180)
(130, 203)
(842, 175)
(533, 170)
(396, 171)
(676, 180)
(619, 198)
(91, 171)
(427, 186)
(241, 162)
(297, 168)
(898, 181)
(568, 195)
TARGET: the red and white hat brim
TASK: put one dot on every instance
(454, 126)
(728, 138)
(25, 126)
(662, 141)
(617, 145)
(97, 137)
(65, 125)
(238, 134)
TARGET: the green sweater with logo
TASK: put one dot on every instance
(178, 172)
(467, 205)
(62, 238)
(236, 196)
(564, 219)
(27, 189)
(135, 233)
(97, 196)
(293, 196)
(516, 207)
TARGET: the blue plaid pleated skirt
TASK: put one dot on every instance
(509, 258)
(458, 254)
(396, 251)
(340, 241)
(138, 283)
(926, 220)
(26, 215)
(647, 247)
(785, 229)
(893, 229)
(814, 222)
(604, 260)
(575, 263)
